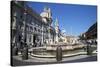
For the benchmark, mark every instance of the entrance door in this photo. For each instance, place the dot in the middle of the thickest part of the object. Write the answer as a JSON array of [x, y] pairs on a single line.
[[34, 40]]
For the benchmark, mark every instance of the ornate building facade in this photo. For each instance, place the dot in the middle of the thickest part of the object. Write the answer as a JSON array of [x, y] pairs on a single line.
[[91, 33], [30, 27]]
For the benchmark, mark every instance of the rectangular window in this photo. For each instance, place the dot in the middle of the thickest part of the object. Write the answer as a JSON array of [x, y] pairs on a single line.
[[30, 38]]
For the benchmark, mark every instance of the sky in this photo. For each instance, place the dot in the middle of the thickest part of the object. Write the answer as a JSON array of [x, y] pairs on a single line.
[[74, 19]]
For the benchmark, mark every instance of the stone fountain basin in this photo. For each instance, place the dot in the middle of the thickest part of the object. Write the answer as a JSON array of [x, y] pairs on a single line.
[[64, 47], [50, 51]]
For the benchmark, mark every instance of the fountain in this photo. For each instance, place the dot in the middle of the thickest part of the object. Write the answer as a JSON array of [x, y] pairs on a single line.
[[49, 51]]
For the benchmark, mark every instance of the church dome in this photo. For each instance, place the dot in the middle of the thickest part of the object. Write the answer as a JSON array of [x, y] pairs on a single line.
[[44, 14]]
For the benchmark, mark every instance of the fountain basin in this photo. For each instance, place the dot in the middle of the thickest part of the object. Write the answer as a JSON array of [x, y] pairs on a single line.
[[51, 53]]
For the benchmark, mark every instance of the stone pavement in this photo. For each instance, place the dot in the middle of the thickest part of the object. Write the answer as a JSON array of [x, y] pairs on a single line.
[[17, 61], [39, 59]]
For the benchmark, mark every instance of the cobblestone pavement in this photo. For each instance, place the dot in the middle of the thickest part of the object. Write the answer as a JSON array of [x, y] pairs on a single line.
[[37, 61]]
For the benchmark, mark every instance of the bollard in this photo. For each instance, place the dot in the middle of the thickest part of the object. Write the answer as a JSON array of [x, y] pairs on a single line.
[[89, 50], [59, 53], [15, 51], [25, 53]]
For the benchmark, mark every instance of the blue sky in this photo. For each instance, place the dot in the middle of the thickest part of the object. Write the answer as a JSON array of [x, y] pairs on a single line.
[[74, 19]]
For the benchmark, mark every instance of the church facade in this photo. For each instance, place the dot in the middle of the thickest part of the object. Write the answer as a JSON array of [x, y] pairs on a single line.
[[32, 28]]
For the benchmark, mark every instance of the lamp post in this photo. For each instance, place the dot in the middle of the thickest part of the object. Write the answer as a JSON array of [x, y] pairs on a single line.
[[58, 53], [25, 46]]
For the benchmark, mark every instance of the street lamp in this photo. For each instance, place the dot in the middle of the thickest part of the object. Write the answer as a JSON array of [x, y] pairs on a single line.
[[25, 46]]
